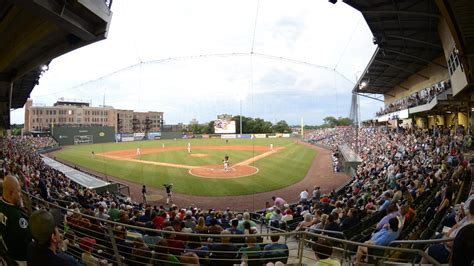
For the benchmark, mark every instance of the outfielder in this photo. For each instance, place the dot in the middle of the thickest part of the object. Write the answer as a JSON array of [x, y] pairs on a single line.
[[271, 147]]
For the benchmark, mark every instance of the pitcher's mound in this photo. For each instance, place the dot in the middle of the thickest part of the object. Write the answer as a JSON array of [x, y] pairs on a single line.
[[199, 155], [217, 171]]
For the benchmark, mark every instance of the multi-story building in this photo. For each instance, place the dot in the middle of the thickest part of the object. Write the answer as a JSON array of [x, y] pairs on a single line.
[[147, 121], [81, 113]]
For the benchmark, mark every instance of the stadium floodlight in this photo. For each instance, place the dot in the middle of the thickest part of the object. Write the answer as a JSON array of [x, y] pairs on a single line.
[[44, 67], [363, 84]]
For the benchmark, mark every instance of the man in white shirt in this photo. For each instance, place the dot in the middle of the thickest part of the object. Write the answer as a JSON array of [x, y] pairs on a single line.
[[304, 196]]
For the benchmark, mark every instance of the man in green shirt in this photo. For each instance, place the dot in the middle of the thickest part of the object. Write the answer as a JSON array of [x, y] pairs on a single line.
[[14, 228], [114, 213]]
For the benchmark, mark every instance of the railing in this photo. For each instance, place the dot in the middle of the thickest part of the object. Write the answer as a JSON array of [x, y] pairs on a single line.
[[121, 244]]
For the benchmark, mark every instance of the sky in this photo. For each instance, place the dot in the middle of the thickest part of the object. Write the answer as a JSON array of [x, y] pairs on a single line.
[[277, 60]]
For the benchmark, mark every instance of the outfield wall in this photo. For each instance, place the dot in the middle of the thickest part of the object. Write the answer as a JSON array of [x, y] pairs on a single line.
[[179, 135], [65, 135]]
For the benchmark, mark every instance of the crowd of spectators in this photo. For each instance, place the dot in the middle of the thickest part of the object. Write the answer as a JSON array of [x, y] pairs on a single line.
[[331, 138], [398, 166], [421, 97], [89, 240]]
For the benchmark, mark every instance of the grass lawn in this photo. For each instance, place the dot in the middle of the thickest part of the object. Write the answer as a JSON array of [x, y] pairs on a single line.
[[279, 170]]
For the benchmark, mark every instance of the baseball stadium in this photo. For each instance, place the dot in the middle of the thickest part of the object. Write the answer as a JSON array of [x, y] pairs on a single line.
[[238, 133]]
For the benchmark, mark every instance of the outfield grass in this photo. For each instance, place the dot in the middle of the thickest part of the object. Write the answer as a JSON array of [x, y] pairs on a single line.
[[279, 170]]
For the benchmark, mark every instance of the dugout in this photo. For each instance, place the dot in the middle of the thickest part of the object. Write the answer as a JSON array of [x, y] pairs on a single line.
[[350, 159], [70, 135]]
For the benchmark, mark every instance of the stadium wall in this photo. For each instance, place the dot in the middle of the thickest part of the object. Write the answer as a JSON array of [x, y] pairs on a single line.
[[171, 135], [65, 135]]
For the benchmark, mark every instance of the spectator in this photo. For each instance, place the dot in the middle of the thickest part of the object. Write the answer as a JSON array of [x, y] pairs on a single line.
[[224, 251], [141, 255], [442, 251], [306, 223], [201, 226], [463, 246], [215, 228], [87, 244], [316, 194], [275, 249], [278, 202], [304, 195], [162, 255], [101, 213], [323, 251], [384, 237], [47, 239], [14, 226], [246, 218], [251, 250], [233, 229], [351, 220], [113, 212], [189, 258]]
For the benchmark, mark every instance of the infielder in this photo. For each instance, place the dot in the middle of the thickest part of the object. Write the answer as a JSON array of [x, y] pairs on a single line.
[[271, 147], [189, 147], [138, 151]]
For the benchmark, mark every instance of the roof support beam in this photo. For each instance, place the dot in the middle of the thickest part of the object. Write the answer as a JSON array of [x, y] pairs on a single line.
[[414, 40], [414, 57], [370, 97], [63, 18], [401, 68], [399, 12], [403, 87]]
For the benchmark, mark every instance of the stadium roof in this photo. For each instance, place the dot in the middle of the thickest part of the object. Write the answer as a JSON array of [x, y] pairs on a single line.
[[32, 33], [406, 33]]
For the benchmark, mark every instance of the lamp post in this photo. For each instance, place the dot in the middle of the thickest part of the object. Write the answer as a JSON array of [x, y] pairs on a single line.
[[240, 101]]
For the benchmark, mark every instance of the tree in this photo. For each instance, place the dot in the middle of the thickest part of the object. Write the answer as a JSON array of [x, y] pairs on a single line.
[[345, 121], [210, 128], [330, 121], [281, 127]]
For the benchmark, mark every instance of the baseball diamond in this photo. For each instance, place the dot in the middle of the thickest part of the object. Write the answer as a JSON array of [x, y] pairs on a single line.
[[254, 168]]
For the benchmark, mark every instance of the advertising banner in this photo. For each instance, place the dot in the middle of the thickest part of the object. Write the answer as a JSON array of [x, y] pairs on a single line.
[[244, 136], [138, 136], [228, 136], [124, 139], [286, 135], [259, 136], [154, 135]]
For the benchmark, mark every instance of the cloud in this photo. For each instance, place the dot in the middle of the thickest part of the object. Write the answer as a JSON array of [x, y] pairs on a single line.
[[193, 85]]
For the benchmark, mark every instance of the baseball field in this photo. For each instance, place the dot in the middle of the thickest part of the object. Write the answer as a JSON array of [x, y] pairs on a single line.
[[255, 165]]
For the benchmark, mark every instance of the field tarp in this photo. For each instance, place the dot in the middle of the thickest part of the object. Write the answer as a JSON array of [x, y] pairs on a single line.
[[78, 177]]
